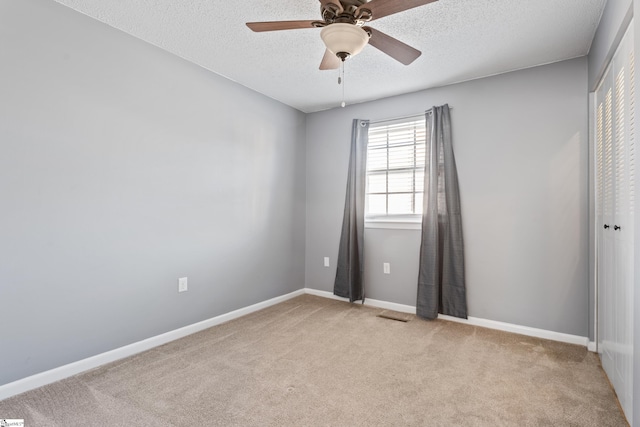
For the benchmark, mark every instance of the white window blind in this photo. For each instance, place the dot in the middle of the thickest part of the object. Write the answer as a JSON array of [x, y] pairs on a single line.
[[395, 169]]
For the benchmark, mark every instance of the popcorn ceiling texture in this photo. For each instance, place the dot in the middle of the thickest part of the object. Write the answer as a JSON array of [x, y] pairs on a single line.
[[459, 39]]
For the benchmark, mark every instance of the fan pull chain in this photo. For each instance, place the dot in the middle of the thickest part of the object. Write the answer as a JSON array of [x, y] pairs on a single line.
[[341, 81]]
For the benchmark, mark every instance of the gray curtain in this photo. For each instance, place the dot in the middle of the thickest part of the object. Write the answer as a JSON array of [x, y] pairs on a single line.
[[441, 281], [349, 281]]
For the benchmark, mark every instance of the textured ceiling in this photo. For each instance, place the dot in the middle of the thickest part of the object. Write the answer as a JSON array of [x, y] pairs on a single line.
[[460, 40]]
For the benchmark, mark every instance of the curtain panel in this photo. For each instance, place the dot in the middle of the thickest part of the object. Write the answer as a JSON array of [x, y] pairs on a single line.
[[349, 282], [441, 277]]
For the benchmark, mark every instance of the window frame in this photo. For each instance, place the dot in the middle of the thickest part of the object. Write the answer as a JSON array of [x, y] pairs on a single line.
[[395, 221]]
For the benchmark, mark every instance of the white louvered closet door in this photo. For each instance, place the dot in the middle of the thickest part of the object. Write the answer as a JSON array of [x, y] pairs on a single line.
[[615, 193], [604, 214]]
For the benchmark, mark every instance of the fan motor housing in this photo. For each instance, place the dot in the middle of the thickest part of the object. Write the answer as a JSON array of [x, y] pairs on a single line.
[[343, 11]]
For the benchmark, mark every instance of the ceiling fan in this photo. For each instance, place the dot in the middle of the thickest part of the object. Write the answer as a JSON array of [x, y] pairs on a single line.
[[344, 32]]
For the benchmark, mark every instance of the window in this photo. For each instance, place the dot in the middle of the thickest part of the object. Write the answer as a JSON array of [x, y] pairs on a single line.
[[395, 170]]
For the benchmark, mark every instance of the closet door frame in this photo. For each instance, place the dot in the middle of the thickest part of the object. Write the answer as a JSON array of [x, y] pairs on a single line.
[[612, 181]]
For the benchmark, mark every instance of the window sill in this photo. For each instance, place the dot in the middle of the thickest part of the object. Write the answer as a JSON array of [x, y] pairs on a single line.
[[393, 224]]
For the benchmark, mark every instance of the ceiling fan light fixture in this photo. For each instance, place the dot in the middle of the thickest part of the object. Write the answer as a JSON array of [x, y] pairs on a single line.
[[344, 40]]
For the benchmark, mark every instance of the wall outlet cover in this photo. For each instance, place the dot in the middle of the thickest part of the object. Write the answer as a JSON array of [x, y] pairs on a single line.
[[182, 284]]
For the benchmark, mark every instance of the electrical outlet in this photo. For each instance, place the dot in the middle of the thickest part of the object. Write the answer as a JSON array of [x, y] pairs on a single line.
[[182, 284], [326, 261], [386, 267]]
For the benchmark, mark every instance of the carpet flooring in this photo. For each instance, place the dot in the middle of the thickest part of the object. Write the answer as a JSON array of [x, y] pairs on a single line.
[[313, 361]]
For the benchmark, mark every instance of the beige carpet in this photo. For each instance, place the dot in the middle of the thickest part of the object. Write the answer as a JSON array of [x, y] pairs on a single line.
[[312, 361]]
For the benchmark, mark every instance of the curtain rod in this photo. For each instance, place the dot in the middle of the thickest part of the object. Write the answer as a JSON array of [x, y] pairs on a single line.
[[403, 117]]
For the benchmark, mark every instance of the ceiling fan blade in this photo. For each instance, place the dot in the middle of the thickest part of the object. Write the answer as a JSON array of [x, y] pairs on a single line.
[[329, 61], [393, 47], [381, 8], [280, 25]]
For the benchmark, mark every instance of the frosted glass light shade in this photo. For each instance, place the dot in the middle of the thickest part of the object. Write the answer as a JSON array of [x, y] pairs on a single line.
[[344, 38]]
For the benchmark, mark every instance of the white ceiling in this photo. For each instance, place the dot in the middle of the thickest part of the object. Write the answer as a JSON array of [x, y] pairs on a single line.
[[459, 39]]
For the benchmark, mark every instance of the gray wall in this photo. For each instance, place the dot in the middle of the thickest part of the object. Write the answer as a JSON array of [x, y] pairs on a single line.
[[123, 168], [521, 147]]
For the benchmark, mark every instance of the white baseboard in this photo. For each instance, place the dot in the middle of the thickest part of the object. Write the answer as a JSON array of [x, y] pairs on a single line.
[[323, 294], [370, 302], [74, 368], [522, 330], [475, 321], [592, 347]]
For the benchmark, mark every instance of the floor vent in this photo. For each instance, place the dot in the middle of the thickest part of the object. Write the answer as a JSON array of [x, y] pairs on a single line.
[[400, 317]]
